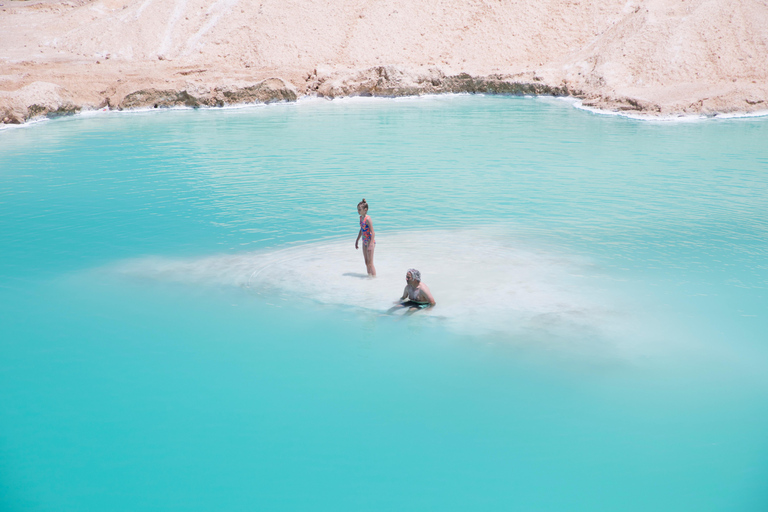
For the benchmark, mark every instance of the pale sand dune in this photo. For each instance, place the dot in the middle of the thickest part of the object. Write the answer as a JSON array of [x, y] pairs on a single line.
[[649, 56]]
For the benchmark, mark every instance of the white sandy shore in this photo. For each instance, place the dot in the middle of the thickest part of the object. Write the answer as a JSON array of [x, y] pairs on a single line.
[[652, 57]]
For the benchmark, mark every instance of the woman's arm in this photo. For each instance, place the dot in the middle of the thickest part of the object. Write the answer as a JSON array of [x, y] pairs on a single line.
[[370, 226], [359, 234]]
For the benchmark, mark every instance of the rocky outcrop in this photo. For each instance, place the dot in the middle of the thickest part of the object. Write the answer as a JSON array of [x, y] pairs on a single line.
[[41, 99], [709, 106], [35, 100], [265, 91], [155, 98], [391, 81]]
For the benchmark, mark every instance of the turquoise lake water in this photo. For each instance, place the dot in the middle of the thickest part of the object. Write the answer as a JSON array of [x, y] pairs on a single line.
[[185, 325]]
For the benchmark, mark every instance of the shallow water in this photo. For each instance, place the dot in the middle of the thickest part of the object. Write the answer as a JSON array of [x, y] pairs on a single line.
[[185, 323]]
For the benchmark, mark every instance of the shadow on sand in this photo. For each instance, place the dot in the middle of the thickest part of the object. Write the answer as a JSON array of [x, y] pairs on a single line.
[[355, 274]]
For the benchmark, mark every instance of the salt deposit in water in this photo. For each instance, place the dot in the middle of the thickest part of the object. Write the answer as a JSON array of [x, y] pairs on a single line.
[[482, 284]]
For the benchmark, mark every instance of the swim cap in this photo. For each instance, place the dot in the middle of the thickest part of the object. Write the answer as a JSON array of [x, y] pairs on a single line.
[[415, 274]]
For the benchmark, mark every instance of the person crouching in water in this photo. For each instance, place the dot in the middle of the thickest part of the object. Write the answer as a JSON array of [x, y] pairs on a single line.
[[369, 237], [416, 294]]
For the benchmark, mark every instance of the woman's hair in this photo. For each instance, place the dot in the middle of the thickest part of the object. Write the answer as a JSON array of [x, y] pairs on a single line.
[[363, 204]]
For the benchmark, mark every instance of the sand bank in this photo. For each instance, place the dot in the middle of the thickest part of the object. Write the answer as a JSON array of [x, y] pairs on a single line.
[[654, 57]]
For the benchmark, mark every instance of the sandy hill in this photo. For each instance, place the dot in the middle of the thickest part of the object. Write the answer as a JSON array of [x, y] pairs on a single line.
[[651, 56]]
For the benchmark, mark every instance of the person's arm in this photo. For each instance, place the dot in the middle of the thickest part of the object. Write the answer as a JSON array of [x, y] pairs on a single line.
[[370, 226], [359, 234], [405, 294]]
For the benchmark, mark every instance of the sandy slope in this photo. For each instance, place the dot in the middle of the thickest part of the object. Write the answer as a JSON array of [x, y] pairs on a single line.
[[653, 56]]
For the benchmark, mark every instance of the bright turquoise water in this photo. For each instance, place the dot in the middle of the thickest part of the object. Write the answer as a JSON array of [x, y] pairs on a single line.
[[183, 325]]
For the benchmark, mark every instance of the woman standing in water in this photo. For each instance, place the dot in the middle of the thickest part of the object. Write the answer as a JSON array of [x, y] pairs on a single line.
[[369, 237]]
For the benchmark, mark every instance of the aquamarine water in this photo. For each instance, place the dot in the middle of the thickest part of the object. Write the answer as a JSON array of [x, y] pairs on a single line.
[[184, 324]]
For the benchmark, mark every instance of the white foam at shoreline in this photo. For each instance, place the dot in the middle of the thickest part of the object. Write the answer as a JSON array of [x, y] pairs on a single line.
[[26, 124], [482, 285], [672, 118]]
